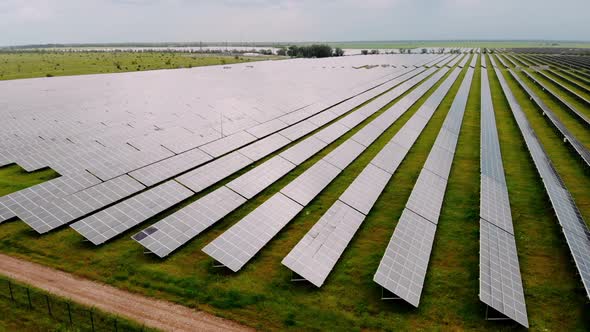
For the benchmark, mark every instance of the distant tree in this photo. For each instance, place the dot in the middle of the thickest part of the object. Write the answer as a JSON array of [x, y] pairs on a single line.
[[282, 51], [338, 52], [364, 52], [293, 51], [312, 51]]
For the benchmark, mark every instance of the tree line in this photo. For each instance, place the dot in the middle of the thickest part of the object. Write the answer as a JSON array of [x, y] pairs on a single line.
[[311, 51]]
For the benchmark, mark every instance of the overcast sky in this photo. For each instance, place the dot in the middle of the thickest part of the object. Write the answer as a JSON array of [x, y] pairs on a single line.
[[99, 21]]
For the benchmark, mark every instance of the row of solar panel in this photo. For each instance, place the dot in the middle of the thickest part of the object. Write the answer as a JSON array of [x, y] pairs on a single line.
[[565, 88], [573, 225], [567, 134], [500, 283], [163, 237], [580, 115], [112, 159], [315, 255], [163, 170], [240, 243], [564, 78], [402, 269]]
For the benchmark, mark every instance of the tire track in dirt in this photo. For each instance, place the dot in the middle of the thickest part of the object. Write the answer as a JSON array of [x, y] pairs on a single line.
[[150, 312]]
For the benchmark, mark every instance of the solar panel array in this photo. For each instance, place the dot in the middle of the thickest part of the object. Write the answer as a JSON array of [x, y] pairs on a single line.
[[403, 267], [21, 201], [130, 147], [161, 238], [581, 116], [500, 284], [568, 136], [316, 254], [301, 190], [109, 126], [108, 223], [573, 225], [45, 217], [567, 89]]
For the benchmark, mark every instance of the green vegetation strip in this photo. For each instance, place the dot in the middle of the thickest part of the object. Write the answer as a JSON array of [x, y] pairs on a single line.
[[26, 308], [48, 64]]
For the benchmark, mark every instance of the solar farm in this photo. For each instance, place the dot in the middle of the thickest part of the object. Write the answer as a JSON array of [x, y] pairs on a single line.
[[363, 192]]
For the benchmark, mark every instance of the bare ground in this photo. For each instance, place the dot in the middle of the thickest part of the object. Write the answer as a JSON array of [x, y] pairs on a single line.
[[150, 312]]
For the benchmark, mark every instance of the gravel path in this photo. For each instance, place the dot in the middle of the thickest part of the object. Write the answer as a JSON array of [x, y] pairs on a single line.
[[150, 312]]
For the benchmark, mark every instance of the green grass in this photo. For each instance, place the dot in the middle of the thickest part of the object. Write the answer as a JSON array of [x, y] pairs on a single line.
[[26, 308], [44, 64], [14, 178], [262, 296]]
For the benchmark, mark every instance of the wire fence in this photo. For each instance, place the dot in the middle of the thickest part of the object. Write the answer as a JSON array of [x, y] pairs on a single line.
[[63, 311]]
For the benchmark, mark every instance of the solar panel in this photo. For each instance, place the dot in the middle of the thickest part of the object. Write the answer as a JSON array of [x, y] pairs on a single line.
[[228, 143], [473, 61], [331, 133], [439, 162], [390, 157], [500, 283], [110, 222], [264, 147], [172, 232], [366, 189], [19, 202], [302, 151], [298, 130], [267, 128], [323, 118], [359, 197], [495, 204], [309, 184], [562, 100], [236, 246], [294, 154], [318, 251], [427, 196], [217, 170], [257, 179], [403, 267], [368, 134], [447, 140], [344, 154], [49, 216], [168, 168], [582, 151]]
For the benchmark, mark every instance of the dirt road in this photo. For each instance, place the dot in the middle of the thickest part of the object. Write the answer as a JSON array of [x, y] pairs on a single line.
[[150, 312]]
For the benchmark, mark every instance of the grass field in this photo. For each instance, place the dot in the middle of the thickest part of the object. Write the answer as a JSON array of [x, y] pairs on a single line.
[[262, 296], [43, 64]]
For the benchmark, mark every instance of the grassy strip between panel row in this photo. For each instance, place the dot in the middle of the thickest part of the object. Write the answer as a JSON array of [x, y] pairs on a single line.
[[25, 308]]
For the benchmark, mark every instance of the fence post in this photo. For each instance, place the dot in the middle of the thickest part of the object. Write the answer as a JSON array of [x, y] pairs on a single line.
[[69, 313], [29, 298], [91, 320], [48, 305], [10, 289]]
